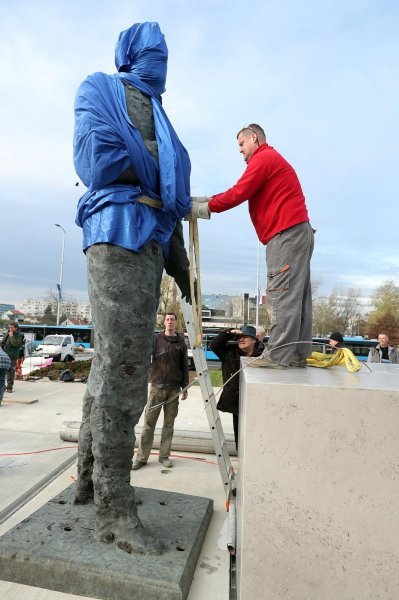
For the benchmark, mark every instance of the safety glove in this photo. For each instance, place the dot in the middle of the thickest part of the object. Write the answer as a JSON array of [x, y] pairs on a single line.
[[199, 209]]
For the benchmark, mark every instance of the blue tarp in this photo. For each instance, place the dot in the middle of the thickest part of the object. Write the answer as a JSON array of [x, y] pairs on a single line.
[[106, 142]]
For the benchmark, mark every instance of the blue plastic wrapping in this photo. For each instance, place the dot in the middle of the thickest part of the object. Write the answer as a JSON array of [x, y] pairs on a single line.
[[106, 142]]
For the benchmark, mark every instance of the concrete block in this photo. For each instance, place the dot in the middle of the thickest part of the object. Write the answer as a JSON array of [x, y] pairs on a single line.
[[54, 549], [318, 485]]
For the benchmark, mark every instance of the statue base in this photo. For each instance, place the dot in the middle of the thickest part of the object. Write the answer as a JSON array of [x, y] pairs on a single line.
[[55, 549]]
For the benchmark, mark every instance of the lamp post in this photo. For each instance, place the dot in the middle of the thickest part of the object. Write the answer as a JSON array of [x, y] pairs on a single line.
[[59, 285]]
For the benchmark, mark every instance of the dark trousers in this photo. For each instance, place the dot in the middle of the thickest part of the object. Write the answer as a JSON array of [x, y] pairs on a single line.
[[235, 427], [3, 373], [11, 374]]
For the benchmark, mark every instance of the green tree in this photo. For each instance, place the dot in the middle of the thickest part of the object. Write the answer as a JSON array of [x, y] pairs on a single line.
[[48, 318], [385, 316]]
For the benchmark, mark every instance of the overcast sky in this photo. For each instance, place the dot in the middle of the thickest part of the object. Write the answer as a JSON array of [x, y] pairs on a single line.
[[320, 76]]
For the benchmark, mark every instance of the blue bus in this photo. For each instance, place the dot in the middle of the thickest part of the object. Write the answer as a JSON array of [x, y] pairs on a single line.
[[82, 334], [357, 344]]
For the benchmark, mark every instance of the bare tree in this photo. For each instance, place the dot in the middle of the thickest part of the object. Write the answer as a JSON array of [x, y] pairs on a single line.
[[339, 311], [169, 301]]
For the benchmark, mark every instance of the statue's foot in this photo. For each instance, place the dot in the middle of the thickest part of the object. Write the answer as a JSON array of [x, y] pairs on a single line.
[[84, 493], [134, 540]]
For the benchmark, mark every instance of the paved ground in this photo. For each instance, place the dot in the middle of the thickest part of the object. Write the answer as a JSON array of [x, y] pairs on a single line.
[[31, 428]]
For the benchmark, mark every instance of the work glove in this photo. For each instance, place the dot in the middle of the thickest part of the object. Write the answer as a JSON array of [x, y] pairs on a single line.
[[199, 209]]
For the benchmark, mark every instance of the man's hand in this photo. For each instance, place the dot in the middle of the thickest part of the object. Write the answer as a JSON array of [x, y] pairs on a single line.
[[10, 332], [199, 209], [200, 199], [184, 395]]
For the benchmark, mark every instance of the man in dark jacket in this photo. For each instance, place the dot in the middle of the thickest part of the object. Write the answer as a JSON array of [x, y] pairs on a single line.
[[230, 346], [12, 344], [168, 375]]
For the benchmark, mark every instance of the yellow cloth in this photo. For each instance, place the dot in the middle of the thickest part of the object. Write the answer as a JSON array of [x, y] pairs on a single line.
[[342, 357]]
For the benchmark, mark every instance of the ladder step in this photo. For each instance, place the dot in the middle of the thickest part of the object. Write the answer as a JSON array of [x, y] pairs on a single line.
[[208, 395]]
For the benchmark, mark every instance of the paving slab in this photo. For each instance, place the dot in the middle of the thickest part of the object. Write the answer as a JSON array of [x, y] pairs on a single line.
[[54, 548], [28, 462]]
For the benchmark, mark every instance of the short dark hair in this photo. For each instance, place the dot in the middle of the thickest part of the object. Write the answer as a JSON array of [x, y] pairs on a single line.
[[254, 128], [15, 324], [171, 313]]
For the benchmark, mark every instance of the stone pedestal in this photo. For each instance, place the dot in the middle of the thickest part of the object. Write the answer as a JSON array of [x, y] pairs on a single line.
[[318, 486], [54, 548]]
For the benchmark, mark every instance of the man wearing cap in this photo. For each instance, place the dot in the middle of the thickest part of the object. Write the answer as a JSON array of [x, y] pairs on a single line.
[[278, 212], [335, 340], [230, 346], [383, 352]]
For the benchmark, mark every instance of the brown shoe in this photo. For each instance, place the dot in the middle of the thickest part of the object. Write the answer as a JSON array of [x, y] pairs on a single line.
[[263, 361], [299, 364], [138, 464]]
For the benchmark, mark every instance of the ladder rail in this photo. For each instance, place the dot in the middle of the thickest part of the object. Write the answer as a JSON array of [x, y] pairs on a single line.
[[208, 396]]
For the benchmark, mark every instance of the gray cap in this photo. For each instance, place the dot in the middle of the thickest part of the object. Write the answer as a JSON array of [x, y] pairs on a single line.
[[248, 330]]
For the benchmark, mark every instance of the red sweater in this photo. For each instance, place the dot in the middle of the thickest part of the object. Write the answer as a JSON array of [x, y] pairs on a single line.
[[273, 191]]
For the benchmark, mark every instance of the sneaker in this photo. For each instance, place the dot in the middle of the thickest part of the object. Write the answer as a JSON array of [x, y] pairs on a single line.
[[138, 464], [263, 361], [166, 462]]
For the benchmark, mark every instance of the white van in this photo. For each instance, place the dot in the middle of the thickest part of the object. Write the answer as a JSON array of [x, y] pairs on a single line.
[[59, 347]]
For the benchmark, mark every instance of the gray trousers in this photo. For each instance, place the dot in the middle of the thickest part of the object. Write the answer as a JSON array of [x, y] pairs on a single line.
[[156, 400], [288, 295], [124, 293]]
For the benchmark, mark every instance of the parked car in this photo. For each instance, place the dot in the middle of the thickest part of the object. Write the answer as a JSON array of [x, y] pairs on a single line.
[[58, 347]]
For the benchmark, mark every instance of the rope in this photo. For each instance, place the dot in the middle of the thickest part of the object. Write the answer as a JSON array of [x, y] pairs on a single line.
[[195, 274], [38, 451], [342, 357], [150, 202]]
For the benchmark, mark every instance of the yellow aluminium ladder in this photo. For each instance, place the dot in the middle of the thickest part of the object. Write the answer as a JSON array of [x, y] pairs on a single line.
[[193, 317], [208, 396]]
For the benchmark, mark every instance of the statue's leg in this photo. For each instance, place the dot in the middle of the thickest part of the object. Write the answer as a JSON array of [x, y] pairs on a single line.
[[84, 486], [124, 293]]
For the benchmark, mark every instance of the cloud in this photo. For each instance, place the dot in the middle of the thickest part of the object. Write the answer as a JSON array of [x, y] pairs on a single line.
[[318, 76]]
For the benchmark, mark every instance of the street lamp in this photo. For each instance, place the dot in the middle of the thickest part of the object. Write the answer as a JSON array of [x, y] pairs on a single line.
[[59, 285]]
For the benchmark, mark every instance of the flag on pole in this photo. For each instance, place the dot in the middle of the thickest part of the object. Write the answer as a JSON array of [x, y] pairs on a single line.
[[260, 297], [59, 292]]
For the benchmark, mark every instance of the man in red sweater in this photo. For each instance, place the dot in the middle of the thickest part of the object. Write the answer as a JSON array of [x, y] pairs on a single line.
[[278, 211]]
